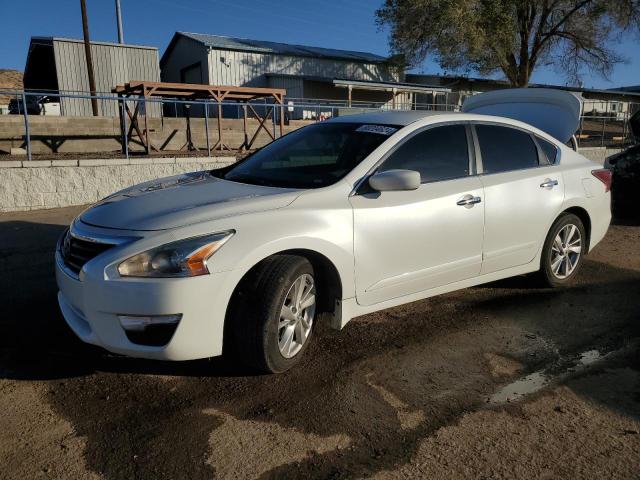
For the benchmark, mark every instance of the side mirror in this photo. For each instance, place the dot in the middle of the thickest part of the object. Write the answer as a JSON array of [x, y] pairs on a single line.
[[395, 180]]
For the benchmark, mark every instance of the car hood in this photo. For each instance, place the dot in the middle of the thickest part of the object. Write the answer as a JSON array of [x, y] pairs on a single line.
[[183, 200]]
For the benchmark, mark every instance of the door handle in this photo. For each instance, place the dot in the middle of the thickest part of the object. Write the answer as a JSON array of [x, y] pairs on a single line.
[[548, 183], [468, 201]]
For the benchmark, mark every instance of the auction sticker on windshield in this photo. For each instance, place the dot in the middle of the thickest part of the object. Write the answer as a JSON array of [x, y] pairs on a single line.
[[379, 129]]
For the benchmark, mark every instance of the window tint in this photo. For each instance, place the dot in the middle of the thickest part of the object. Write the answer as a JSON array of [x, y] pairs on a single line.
[[311, 157], [438, 153], [505, 149], [549, 149]]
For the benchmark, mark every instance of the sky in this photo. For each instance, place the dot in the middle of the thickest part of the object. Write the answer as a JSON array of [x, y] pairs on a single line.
[[342, 24]]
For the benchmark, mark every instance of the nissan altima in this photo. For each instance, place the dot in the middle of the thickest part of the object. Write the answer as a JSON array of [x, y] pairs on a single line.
[[334, 220]]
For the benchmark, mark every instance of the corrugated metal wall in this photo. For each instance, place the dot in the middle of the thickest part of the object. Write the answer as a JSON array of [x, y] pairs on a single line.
[[186, 52], [245, 68], [293, 86], [113, 65]]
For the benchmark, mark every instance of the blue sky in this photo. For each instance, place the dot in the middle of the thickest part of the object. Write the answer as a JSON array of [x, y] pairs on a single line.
[[347, 24]]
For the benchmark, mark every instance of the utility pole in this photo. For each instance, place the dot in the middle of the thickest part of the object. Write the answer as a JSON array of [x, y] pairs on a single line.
[[87, 53], [119, 18]]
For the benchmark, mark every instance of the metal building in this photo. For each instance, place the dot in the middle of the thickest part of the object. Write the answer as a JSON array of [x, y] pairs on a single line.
[[309, 73], [59, 65]]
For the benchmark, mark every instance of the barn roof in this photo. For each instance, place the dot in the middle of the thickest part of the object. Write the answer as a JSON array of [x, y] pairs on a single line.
[[263, 46], [45, 40]]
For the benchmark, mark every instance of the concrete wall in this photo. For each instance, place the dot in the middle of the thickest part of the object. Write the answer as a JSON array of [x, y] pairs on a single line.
[[598, 154], [41, 184], [61, 183]]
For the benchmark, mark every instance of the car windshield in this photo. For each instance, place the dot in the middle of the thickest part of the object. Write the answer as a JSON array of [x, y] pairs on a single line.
[[311, 157]]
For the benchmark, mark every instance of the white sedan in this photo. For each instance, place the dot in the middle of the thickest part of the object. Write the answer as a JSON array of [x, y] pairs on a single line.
[[335, 220]]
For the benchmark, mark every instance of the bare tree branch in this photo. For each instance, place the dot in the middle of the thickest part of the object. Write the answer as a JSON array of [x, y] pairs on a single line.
[[510, 36]]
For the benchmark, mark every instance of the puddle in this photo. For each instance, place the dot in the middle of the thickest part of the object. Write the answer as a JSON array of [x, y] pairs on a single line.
[[536, 381], [525, 386], [589, 357]]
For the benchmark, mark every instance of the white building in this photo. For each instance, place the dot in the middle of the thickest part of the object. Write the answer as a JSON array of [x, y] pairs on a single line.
[[311, 74]]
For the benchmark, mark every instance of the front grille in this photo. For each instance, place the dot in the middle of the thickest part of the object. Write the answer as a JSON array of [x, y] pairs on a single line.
[[76, 252]]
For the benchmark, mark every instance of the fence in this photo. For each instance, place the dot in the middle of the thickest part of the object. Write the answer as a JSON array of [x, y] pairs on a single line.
[[606, 124], [177, 127]]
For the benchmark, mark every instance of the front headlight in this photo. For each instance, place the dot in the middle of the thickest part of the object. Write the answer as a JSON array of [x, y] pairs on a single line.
[[185, 258]]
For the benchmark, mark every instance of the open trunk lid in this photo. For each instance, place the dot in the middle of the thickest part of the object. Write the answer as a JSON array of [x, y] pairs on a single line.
[[556, 112]]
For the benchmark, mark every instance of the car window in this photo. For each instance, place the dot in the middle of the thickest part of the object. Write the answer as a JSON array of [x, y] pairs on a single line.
[[438, 153], [311, 157], [504, 149], [549, 149]]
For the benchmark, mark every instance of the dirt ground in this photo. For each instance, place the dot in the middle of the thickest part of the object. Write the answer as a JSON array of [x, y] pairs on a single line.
[[506, 380]]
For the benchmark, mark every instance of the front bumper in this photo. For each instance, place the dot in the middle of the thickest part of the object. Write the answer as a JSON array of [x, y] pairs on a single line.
[[91, 307]]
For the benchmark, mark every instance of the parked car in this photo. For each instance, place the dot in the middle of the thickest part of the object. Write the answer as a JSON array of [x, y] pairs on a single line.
[[625, 168], [36, 105], [338, 219]]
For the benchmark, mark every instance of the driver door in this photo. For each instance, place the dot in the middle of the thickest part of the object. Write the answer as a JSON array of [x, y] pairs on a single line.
[[410, 241]]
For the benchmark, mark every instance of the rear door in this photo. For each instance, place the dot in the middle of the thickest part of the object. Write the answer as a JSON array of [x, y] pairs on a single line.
[[523, 191]]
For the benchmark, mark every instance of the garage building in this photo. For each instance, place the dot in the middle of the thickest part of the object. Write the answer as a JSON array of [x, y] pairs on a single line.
[[310, 74], [58, 65]]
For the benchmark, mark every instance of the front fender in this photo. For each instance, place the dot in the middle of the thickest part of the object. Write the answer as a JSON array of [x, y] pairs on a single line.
[[326, 231]]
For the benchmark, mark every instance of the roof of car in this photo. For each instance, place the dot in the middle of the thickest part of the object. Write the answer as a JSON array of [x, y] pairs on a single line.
[[387, 118]]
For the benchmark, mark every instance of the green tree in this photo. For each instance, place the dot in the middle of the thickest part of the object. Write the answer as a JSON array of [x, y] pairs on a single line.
[[511, 36]]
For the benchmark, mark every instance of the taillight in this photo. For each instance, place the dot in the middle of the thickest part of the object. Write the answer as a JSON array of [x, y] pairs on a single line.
[[604, 175]]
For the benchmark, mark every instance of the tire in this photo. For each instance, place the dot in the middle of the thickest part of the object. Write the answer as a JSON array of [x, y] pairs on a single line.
[[560, 262], [258, 328]]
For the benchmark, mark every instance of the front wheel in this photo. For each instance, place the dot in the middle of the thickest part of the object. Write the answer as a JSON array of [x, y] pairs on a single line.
[[563, 251], [273, 313]]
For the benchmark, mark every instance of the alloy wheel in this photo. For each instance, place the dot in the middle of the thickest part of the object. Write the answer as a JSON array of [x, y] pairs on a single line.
[[566, 251], [296, 316]]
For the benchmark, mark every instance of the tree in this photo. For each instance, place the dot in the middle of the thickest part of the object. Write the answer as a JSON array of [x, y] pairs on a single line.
[[510, 36]]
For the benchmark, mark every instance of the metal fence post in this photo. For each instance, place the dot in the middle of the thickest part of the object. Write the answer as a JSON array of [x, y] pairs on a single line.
[[27, 131], [604, 124], [125, 133], [581, 125], [146, 126], [273, 120], [206, 126]]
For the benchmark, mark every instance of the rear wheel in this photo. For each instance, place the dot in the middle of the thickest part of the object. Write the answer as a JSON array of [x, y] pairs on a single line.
[[563, 251], [273, 312]]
